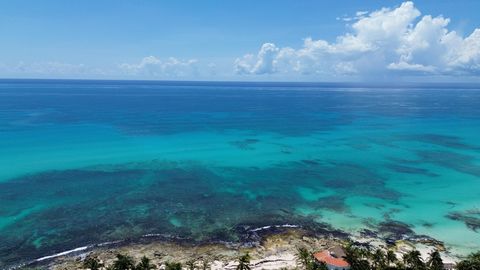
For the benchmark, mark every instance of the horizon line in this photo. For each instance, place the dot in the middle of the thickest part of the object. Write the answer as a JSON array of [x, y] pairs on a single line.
[[349, 84]]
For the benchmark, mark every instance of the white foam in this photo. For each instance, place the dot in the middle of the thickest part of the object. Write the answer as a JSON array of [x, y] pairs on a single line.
[[275, 226], [108, 243], [63, 253]]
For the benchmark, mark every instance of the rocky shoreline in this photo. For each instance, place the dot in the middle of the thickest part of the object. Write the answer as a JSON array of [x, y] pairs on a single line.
[[270, 247], [275, 250]]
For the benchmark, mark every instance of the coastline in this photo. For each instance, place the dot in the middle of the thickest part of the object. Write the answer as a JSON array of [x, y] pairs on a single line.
[[274, 248]]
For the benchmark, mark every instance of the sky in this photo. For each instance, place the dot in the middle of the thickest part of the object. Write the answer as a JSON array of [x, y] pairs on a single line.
[[248, 40]]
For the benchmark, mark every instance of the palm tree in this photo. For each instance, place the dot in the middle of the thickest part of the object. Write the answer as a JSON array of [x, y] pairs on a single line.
[[190, 264], [173, 266], [390, 257], [472, 262], [205, 265], [351, 254], [378, 258], [244, 262], [144, 264], [362, 265], [355, 257], [413, 260], [92, 263], [435, 261], [303, 257], [123, 262]]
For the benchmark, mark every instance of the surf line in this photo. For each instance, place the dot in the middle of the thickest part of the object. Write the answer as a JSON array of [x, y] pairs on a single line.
[[78, 249]]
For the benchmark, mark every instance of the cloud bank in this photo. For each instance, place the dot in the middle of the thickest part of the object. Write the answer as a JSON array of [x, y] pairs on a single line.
[[152, 66], [39, 69], [387, 41], [148, 67]]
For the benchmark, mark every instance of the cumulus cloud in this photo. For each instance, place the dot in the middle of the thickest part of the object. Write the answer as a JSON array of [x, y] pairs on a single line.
[[152, 66], [264, 61], [389, 40]]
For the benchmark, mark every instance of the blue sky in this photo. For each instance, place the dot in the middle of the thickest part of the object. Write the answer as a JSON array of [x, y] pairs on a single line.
[[240, 40]]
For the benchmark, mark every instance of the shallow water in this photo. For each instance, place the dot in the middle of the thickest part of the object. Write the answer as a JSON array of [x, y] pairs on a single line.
[[89, 162]]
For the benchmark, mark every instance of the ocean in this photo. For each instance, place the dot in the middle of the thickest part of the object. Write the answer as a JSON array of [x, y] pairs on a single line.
[[86, 162]]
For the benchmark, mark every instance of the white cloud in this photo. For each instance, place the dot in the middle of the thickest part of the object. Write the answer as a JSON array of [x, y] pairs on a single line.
[[148, 67], [152, 66], [52, 69], [264, 62], [386, 41], [48, 68]]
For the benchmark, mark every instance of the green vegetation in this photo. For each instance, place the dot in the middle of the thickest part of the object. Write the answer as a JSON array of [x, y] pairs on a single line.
[[319, 266], [145, 264], [472, 262], [205, 265], [173, 266], [123, 262], [413, 261], [190, 264], [244, 262], [92, 263], [307, 262], [435, 261], [358, 258], [304, 258], [378, 259], [390, 258]]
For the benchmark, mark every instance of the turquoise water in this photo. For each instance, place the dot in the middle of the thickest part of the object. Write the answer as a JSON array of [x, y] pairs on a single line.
[[85, 162]]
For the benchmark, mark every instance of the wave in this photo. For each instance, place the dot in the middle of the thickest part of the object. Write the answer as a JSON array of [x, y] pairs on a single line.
[[274, 226], [63, 253], [84, 249]]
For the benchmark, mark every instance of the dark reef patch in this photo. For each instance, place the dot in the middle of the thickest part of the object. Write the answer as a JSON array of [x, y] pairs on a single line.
[[441, 140], [403, 161], [410, 170], [72, 208], [377, 206], [367, 233], [391, 231], [395, 229], [310, 162], [455, 161], [427, 224], [246, 144], [451, 204], [349, 177], [471, 218], [387, 215], [334, 202], [362, 146]]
